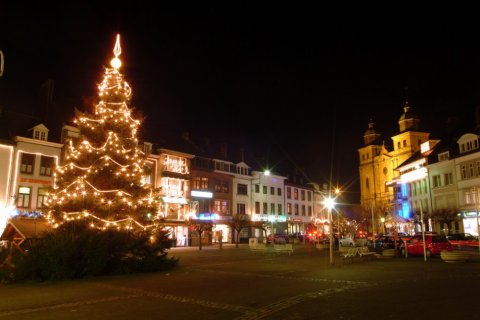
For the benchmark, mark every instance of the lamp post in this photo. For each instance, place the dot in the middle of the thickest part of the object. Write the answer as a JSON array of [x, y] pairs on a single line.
[[257, 177], [330, 204], [423, 233], [476, 215], [373, 228]]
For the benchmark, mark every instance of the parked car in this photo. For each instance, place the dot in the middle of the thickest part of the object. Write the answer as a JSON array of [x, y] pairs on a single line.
[[278, 238], [434, 244], [347, 242], [352, 242], [387, 242], [463, 240]]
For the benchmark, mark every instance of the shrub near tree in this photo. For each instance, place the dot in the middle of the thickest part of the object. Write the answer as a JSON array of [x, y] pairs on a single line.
[[75, 250]]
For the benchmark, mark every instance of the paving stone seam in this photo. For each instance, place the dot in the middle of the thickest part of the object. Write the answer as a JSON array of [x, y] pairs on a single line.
[[281, 277], [277, 306], [170, 297], [67, 305]]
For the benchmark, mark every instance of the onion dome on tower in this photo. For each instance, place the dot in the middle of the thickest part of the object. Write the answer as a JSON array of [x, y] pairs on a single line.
[[408, 121], [371, 136]]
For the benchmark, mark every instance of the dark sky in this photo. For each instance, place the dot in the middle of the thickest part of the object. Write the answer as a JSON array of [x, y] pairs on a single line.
[[290, 81]]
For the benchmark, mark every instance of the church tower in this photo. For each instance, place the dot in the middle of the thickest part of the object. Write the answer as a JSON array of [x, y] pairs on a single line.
[[378, 164], [408, 141], [370, 182]]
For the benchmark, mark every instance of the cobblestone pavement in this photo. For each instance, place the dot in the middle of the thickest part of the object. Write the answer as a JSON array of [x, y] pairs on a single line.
[[234, 283]]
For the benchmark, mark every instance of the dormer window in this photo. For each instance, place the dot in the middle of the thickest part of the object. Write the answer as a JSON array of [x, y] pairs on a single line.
[[147, 147], [444, 156], [39, 135], [40, 132], [468, 142]]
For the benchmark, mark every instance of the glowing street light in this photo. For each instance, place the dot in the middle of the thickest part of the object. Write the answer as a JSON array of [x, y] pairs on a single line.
[[382, 220], [330, 204]]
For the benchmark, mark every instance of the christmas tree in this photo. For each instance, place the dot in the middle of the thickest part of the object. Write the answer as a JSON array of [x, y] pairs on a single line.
[[101, 177]]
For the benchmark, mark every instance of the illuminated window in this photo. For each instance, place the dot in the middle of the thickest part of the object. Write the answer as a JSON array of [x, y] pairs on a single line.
[[172, 187], [40, 135], [448, 178], [175, 164], [242, 189], [302, 195], [200, 183], [147, 147], [204, 183], [27, 163], [196, 183], [436, 181], [148, 173], [217, 185], [225, 186], [23, 197], [241, 208], [221, 206], [289, 208], [295, 193], [296, 209], [443, 156], [46, 166], [289, 193], [41, 198]]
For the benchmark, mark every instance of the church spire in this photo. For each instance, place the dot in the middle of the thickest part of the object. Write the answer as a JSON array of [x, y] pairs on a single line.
[[408, 120], [370, 136]]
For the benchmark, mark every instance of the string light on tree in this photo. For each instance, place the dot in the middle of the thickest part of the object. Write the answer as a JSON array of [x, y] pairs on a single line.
[[103, 171]]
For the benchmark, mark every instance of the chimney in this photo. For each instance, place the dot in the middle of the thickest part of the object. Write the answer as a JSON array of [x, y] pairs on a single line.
[[223, 150], [477, 116]]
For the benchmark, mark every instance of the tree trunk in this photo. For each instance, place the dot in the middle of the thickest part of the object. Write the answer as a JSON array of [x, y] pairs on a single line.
[[200, 239]]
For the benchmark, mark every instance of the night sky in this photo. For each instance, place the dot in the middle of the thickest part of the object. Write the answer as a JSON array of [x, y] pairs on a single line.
[[289, 82]]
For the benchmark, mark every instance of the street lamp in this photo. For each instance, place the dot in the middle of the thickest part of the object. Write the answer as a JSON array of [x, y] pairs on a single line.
[[475, 197], [330, 204]]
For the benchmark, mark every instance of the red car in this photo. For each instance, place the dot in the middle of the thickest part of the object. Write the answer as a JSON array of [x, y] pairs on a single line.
[[463, 240], [434, 244]]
